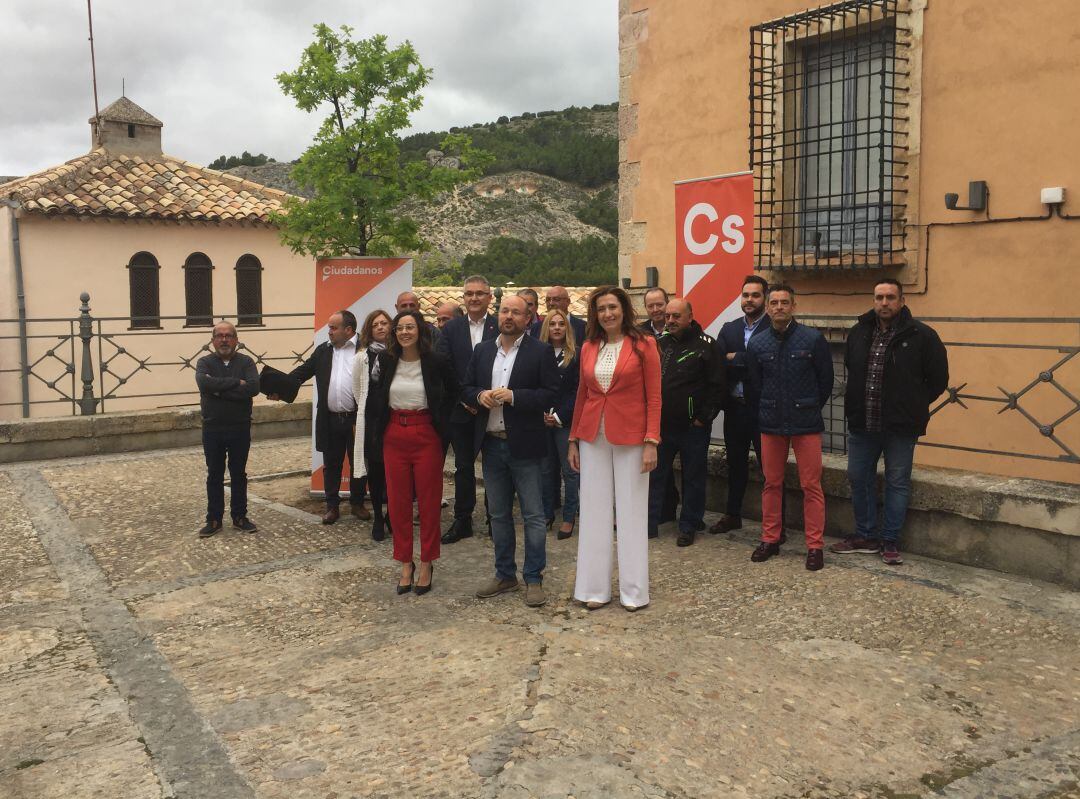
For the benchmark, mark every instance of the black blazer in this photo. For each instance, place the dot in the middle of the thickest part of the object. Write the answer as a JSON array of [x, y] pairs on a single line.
[[730, 339], [535, 383], [456, 344], [318, 365], [569, 374], [440, 385]]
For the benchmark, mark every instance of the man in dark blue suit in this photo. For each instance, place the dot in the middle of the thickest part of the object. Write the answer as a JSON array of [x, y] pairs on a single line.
[[513, 380], [459, 337], [558, 298], [740, 422]]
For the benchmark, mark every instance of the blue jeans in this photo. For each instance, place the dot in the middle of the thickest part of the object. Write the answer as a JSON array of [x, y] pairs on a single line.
[[559, 439], [503, 477], [692, 447], [864, 452], [219, 447]]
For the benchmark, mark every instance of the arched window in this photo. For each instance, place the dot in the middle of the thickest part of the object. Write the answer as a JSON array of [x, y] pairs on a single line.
[[198, 290], [248, 291], [143, 271]]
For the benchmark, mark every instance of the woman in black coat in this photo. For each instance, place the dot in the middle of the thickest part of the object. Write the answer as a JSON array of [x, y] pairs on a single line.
[[413, 390]]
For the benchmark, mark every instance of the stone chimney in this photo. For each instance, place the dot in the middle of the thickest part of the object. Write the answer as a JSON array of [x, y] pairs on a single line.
[[126, 129]]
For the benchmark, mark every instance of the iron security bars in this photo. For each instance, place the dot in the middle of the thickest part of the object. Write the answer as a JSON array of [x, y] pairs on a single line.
[[828, 137]]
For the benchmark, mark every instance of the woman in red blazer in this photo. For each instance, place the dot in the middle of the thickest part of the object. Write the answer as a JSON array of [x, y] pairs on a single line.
[[613, 444]]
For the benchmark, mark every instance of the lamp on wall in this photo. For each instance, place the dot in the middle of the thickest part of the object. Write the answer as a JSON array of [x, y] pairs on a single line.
[[652, 277], [978, 194]]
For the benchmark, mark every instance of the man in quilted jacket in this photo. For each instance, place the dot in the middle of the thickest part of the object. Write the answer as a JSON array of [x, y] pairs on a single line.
[[790, 375]]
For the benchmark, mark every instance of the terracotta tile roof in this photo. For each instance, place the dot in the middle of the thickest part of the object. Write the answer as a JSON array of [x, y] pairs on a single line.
[[431, 297], [136, 187]]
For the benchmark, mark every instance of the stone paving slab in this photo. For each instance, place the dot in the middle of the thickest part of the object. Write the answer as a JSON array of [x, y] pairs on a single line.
[[26, 575], [291, 654]]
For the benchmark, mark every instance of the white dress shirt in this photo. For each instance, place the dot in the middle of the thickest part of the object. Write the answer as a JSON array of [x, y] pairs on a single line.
[[476, 331], [500, 377], [339, 397]]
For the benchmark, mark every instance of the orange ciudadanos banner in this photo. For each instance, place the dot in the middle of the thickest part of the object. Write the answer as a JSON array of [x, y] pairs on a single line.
[[360, 285], [714, 245]]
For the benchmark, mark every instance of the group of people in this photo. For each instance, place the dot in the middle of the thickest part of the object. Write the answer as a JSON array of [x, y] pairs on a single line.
[[559, 406]]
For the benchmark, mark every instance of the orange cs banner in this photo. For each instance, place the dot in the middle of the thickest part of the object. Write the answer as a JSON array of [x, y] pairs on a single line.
[[360, 285], [714, 245]]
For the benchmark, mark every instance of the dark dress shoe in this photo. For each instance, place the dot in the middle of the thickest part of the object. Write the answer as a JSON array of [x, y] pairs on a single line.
[[331, 516], [815, 560], [420, 590], [212, 527], [461, 528], [378, 530], [685, 539], [726, 525], [404, 589], [360, 512], [764, 551], [562, 535]]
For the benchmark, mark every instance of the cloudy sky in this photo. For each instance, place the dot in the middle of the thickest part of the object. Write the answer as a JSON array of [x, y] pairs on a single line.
[[206, 67]]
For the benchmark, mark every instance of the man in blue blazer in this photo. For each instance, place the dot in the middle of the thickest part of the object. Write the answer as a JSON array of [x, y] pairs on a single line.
[[740, 422], [513, 380], [459, 338]]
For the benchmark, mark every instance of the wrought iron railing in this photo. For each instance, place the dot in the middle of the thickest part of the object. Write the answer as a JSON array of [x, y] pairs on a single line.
[[1052, 346], [90, 363], [93, 364]]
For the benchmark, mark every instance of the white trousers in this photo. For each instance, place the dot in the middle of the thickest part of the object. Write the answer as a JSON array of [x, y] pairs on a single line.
[[611, 474]]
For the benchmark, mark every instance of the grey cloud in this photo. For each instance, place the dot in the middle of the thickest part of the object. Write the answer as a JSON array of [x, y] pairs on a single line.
[[206, 68]]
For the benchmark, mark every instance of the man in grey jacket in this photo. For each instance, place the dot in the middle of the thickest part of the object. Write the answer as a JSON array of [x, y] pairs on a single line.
[[227, 380]]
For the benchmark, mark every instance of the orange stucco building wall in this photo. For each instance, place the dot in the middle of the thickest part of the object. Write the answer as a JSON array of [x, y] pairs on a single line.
[[992, 98]]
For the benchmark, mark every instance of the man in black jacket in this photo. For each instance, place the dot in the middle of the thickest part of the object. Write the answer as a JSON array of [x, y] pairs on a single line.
[[692, 388], [227, 381], [459, 337], [896, 367], [513, 380], [331, 364], [740, 421]]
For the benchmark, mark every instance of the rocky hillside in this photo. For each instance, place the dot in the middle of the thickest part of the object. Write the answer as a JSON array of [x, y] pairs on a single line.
[[515, 203]]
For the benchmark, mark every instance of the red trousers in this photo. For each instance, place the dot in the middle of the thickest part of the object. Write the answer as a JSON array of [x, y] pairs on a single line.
[[774, 452], [413, 460]]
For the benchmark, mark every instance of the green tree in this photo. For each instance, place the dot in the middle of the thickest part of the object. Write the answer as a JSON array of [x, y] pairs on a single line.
[[354, 167]]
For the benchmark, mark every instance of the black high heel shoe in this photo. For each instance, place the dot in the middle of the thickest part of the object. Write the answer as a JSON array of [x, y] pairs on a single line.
[[550, 523], [562, 535], [420, 590], [404, 589]]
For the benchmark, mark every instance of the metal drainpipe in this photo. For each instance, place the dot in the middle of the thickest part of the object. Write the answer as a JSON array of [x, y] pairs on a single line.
[[20, 297]]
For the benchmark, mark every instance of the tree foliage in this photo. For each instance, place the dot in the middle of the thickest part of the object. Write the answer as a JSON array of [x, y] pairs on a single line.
[[245, 159], [560, 146], [592, 261], [368, 92], [600, 211]]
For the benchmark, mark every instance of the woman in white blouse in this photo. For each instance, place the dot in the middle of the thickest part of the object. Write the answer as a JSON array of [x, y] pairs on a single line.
[[613, 444], [413, 391]]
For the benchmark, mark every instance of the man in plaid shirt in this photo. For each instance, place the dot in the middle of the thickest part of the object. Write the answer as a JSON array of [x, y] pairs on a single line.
[[896, 367]]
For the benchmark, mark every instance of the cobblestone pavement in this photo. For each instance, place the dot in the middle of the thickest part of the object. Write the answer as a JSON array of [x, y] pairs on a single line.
[[139, 661]]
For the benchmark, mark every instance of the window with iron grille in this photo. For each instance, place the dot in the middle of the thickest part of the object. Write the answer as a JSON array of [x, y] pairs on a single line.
[[249, 291], [828, 137], [198, 290], [143, 272]]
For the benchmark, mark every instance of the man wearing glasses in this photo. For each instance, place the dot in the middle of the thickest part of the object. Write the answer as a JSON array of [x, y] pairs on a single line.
[[459, 337], [227, 382]]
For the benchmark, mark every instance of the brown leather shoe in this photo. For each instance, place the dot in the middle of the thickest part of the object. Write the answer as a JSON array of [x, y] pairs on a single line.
[[360, 512], [764, 551], [331, 516], [726, 525], [815, 560]]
